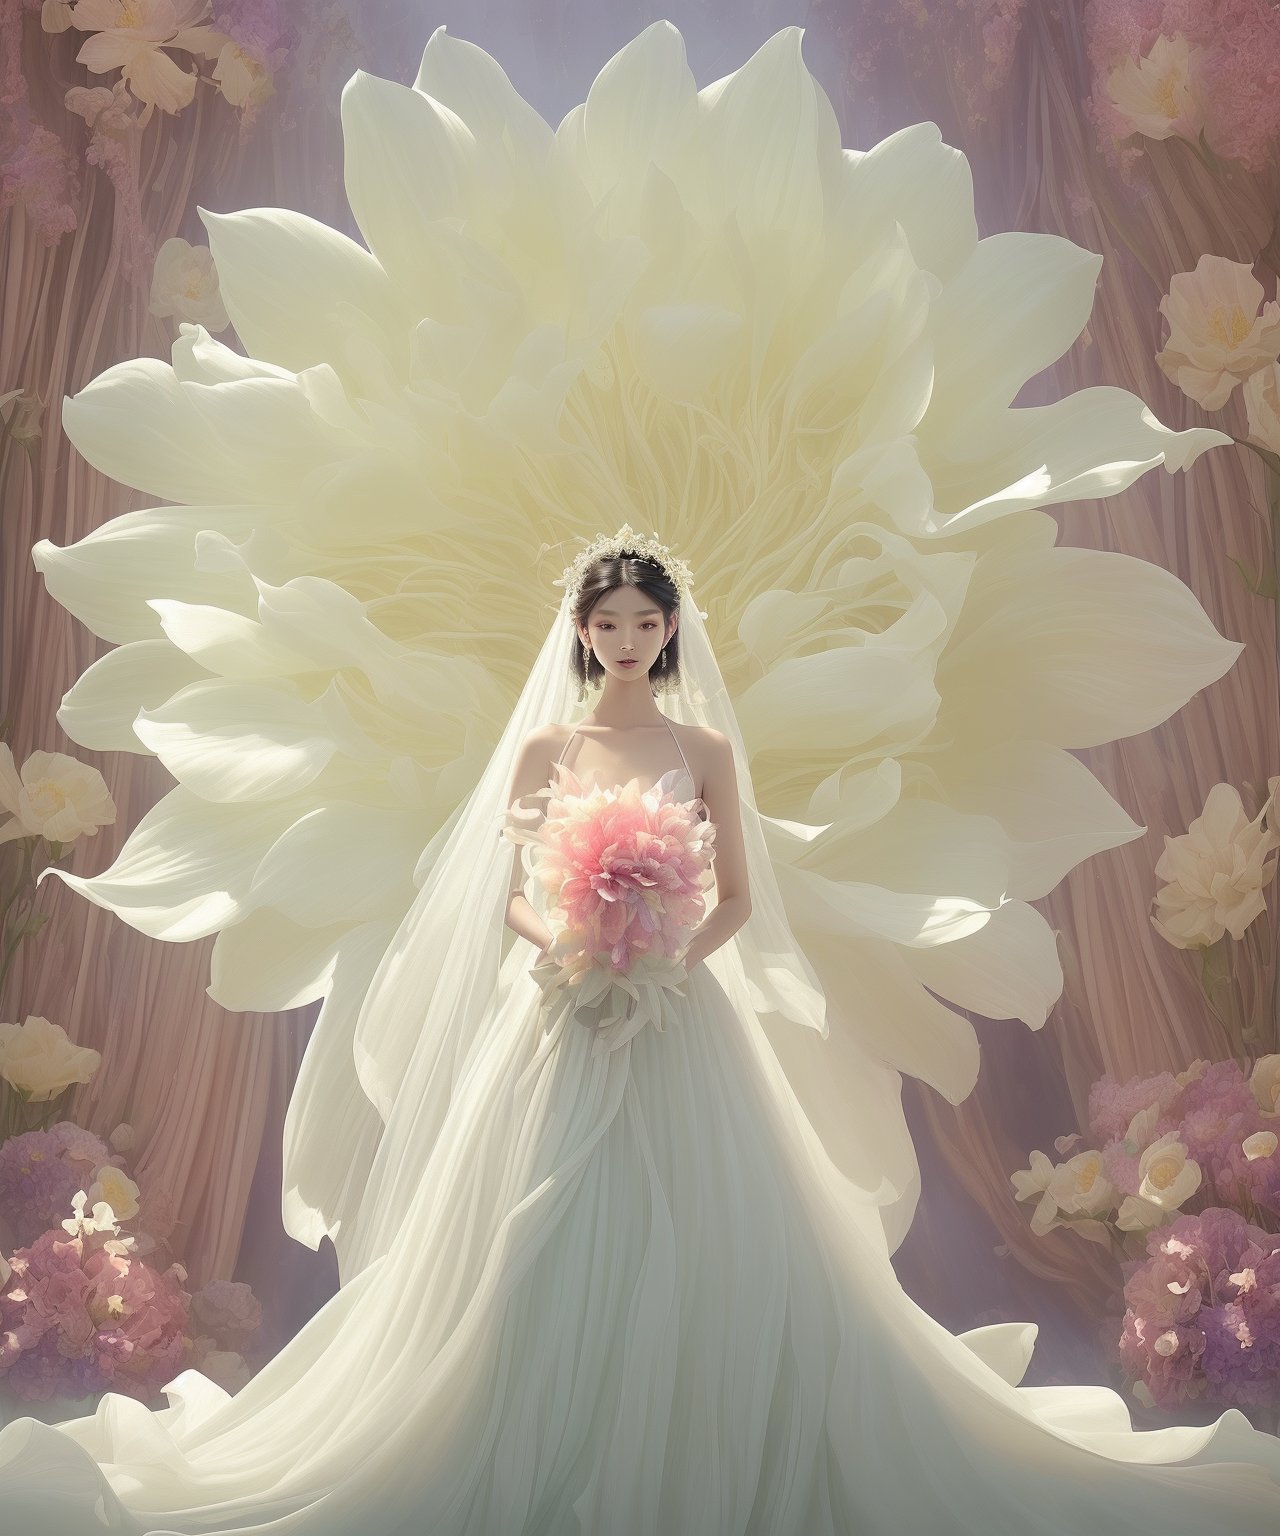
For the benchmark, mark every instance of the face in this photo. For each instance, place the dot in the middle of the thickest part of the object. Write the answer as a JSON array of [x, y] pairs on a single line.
[[627, 624]]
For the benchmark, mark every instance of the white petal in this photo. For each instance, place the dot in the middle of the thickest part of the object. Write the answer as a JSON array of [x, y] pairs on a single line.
[[107, 578], [230, 741], [1094, 442], [299, 293], [1014, 307], [98, 709], [1008, 969], [1052, 810], [772, 143], [265, 963], [1078, 647], [255, 440], [914, 180], [406, 167], [185, 869], [331, 1128], [342, 861], [641, 109]]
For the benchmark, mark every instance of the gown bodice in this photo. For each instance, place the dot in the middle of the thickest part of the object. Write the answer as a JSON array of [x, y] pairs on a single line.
[[665, 784]]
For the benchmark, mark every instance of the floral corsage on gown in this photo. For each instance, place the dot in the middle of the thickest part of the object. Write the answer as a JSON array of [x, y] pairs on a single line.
[[623, 874]]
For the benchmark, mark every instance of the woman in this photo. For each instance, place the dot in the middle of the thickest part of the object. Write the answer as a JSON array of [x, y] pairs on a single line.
[[608, 1280]]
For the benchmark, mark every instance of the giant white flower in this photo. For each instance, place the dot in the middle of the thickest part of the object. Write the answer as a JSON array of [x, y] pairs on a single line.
[[694, 311]]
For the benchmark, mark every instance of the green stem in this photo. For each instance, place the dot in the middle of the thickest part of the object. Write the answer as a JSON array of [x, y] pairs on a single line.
[[24, 872], [1210, 978]]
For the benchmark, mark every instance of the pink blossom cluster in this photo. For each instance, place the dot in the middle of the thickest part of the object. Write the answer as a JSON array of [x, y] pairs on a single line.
[[79, 1317], [1202, 1316], [625, 872], [1237, 47], [1213, 1113], [260, 27], [99, 1310]]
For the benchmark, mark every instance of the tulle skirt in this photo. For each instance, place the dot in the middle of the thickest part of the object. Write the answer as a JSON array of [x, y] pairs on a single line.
[[630, 1296]]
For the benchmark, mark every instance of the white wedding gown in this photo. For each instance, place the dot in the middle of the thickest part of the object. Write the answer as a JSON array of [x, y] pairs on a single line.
[[632, 1295]]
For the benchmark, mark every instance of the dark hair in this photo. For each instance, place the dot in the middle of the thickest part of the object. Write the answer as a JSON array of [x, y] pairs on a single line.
[[607, 574]]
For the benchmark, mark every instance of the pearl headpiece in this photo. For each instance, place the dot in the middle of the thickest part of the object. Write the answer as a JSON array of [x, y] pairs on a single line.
[[628, 542]]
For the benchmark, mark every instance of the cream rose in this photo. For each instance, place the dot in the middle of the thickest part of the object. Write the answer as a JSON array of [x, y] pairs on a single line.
[[117, 1189], [1156, 94], [1217, 336], [184, 283], [1080, 1187], [1168, 1176], [243, 77], [1215, 873], [38, 1059], [1264, 1081], [54, 797]]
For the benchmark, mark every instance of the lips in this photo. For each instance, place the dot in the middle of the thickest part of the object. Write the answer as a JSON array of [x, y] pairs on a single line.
[[628, 663]]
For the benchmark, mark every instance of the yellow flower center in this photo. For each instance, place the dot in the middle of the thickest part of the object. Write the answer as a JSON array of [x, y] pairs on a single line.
[[46, 798], [1230, 327], [1165, 94], [1087, 1176]]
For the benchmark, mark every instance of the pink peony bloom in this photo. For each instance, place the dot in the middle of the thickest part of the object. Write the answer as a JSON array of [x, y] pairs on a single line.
[[624, 870]]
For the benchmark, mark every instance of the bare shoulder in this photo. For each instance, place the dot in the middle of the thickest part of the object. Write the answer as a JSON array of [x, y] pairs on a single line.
[[715, 740], [703, 745], [550, 735]]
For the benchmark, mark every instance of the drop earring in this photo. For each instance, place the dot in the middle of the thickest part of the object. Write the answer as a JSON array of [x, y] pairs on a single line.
[[586, 661]]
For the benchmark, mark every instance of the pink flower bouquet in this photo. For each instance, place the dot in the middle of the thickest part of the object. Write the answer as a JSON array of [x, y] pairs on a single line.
[[625, 873]]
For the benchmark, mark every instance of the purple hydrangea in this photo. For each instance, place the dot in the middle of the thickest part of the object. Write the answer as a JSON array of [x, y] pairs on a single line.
[[40, 1172], [1202, 1312]]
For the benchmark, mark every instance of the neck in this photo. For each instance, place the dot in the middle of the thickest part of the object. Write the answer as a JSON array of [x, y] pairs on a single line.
[[625, 704]]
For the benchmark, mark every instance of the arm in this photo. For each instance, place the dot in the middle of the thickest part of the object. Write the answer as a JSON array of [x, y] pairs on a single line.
[[733, 895], [531, 773]]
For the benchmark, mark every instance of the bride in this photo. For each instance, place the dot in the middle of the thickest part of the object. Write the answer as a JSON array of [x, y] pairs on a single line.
[[604, 1277]]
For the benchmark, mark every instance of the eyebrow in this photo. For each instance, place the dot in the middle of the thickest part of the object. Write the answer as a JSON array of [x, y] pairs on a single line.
[[641, 613]]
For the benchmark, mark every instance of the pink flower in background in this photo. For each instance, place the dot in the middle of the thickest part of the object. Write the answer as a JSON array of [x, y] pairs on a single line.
[[1202, 1313], [36, 171], [83, 1314], [1235, 50], [1112, 1105], [1220, 331]]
